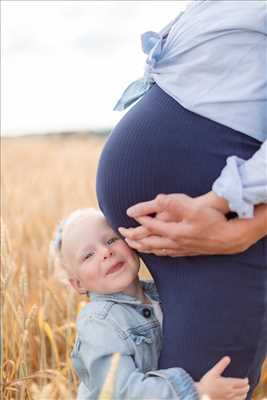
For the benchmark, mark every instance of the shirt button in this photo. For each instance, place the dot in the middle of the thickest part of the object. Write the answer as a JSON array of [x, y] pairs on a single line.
[[146, 312]]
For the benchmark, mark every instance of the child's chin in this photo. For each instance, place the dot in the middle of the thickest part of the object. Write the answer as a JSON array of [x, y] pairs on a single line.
[[120, 287]]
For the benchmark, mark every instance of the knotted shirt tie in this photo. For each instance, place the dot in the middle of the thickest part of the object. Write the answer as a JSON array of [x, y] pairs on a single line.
[[152, 45]]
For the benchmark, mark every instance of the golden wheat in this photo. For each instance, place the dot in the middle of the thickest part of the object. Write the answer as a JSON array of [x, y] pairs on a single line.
[[42, 180]]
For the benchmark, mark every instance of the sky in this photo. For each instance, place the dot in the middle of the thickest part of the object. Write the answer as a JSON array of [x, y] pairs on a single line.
[[64, 64]]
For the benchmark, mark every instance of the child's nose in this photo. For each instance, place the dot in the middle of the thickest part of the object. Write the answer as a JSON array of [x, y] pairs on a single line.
[[106, 252]]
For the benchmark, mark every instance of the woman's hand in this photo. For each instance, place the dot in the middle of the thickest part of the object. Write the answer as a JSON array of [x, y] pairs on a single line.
[[216, 387], [185, 226]]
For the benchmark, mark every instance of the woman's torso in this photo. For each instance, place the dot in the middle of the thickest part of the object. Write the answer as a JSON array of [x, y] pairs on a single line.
[[212, 306]]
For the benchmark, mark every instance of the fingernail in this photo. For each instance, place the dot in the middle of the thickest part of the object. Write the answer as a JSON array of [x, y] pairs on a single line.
[[130, 212], [122, 232], [132, 243]]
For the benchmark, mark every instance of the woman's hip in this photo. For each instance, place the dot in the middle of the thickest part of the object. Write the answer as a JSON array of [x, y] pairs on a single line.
[[213, 306]]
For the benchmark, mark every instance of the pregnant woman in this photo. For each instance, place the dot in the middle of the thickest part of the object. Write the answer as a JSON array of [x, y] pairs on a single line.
[[204, 100]]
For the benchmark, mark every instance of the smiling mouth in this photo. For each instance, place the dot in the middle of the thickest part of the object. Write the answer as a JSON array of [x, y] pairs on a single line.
[[115, 268]]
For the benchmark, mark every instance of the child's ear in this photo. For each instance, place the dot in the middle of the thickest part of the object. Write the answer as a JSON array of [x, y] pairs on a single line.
[[76, 284]]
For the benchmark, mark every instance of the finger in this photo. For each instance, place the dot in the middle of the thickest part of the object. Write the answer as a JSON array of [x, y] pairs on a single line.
[[136, 245], [234, 397], [180, 206], [239, 396], [133, 244], [237, 383], [165, 229], [147, 207], [158, 243], [159, 228], [241, 392], [164, 216], [221, 365], [148, 250], [243, 397], [185, 254], [170, 253], [139, 232], [178, 203], [153, 243], [159, 253]]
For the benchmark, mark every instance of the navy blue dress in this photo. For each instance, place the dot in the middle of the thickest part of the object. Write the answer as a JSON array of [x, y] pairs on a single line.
[[212, 305]]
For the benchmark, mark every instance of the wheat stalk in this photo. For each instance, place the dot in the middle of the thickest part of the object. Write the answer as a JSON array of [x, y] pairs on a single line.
[[108, 387]]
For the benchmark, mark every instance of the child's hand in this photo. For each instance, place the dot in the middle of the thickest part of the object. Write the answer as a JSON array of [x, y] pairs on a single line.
[[217, 387]]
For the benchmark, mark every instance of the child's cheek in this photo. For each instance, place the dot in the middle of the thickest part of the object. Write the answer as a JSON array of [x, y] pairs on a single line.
[[124, 249], [130, 254], [89, 271]]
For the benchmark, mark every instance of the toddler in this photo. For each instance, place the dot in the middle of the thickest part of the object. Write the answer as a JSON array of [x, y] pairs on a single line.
[[123, 316]]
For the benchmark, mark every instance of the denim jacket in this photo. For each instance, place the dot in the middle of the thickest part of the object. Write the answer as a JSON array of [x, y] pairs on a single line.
[[120, 323]]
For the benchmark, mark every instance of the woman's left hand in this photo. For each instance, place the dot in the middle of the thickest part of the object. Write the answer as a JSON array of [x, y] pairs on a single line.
[[185, 226]]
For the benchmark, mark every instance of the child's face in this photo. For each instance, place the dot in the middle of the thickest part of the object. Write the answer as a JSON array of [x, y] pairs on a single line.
[[97, 258]]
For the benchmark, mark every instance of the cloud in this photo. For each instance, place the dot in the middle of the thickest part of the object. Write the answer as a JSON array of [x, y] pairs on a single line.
[[114, 10], [101, 41], [66, 63], [23, 42], [74, 12]]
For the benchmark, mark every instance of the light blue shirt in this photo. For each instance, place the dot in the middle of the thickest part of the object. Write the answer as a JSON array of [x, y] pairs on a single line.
[[212, 59]]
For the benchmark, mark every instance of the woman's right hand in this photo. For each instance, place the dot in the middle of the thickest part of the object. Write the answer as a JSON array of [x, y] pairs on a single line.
[[216, 387], [185, 226]]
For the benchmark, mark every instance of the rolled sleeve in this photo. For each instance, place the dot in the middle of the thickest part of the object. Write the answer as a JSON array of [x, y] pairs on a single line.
[[243, 183], [180, 381]]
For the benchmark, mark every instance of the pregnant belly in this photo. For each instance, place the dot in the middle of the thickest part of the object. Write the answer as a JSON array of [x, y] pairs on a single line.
[[212, 306], [160, 147]]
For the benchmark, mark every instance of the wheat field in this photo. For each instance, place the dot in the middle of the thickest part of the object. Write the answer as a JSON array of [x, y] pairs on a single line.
[[42, 180]]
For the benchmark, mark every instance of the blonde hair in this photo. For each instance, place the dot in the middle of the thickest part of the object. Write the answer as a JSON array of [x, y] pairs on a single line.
[[55, 257]]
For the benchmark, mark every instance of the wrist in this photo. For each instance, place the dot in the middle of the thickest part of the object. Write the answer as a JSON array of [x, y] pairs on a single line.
[[200, 389], [211, 199], [243, 233], [259, 222]]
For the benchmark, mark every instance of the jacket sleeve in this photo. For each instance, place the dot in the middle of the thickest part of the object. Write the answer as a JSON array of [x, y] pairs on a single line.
[[243, 183], [98, 342]]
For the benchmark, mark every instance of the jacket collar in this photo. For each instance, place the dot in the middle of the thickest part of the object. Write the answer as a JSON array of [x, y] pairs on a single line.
[[149, 288]]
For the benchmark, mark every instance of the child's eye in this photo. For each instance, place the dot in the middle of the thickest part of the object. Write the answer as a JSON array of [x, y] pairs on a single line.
[[88, 256], [112, 240]]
